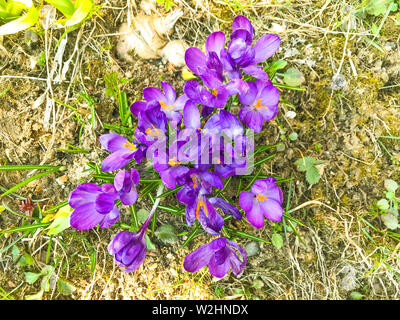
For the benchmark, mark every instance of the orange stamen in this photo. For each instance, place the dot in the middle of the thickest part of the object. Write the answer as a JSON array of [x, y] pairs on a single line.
[[214, 92], [260, 197], [152, 132], [165, 106], [129, 145], [194, 181], [200, 204], [173, 162], [259, 105]]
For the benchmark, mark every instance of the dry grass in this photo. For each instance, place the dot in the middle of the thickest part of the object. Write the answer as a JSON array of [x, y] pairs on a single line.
[[334, 256]]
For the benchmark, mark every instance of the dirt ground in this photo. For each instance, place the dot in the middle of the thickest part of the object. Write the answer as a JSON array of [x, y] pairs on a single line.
[[351, 97]]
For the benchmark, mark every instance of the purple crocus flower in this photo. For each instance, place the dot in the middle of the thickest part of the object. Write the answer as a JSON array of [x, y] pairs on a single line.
[[129, 249], [199, 183], [226, 207], [152, 125], [217, 98], [122, 150], [244, 54], [260, 104], [93, 205], [205, 213], [170, 104], [125, 183], [264, 200], [220, 256]]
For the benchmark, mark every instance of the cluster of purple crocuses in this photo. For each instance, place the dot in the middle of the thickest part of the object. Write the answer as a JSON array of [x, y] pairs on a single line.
[[188, 140]]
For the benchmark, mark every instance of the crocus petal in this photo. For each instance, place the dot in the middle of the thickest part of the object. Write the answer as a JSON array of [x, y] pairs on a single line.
[[243, 35], [218, 270], [253, 119], [215, 42], [250, 205], [140, 256], [272, 210], [269, 96], [197, 259], [191, 116], [121, 180], [237, 264], [266, 46], [104, 203], [117, 160], [135, 176], [112, 142], [226, 207], [137, 107], [255, 215], [180, 102], [187, 195], [209, 180], [242, 22], [132, 256], [111, 218], [248, 97], [195, 60], [83, 194], [153, 94], [85, 217], [268, 189], [256, 71], [169, 92], [121, 240], [130, 197]]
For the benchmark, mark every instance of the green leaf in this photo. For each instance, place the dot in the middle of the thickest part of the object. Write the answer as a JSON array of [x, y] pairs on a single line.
[[36, 296], [293, 77], [277, 65], [277, 240], [390, 221], [65, 287], [142, 215], [31, 277], [22, 23], [66, 7], [356, 295], [61, 220], [83, 8], [375, 30], [383, 204], [305, 163], [391, 185], [312, 175], [47, 272], [15, 253], [293, 136], [378, 7], [149, 244], [166, 233]]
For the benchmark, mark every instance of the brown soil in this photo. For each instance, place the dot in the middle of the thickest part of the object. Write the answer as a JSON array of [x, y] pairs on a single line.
[[328, 258]]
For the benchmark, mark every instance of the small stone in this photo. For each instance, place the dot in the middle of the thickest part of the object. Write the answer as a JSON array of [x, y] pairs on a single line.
[[252, 248]]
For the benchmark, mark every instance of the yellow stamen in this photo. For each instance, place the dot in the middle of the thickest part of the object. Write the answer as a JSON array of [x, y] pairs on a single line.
[[152, 132], [200, 204], [194, 181], [173, 162], [214, 92], [129, 145], [165, 106], [260, 197], [259, 105]]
